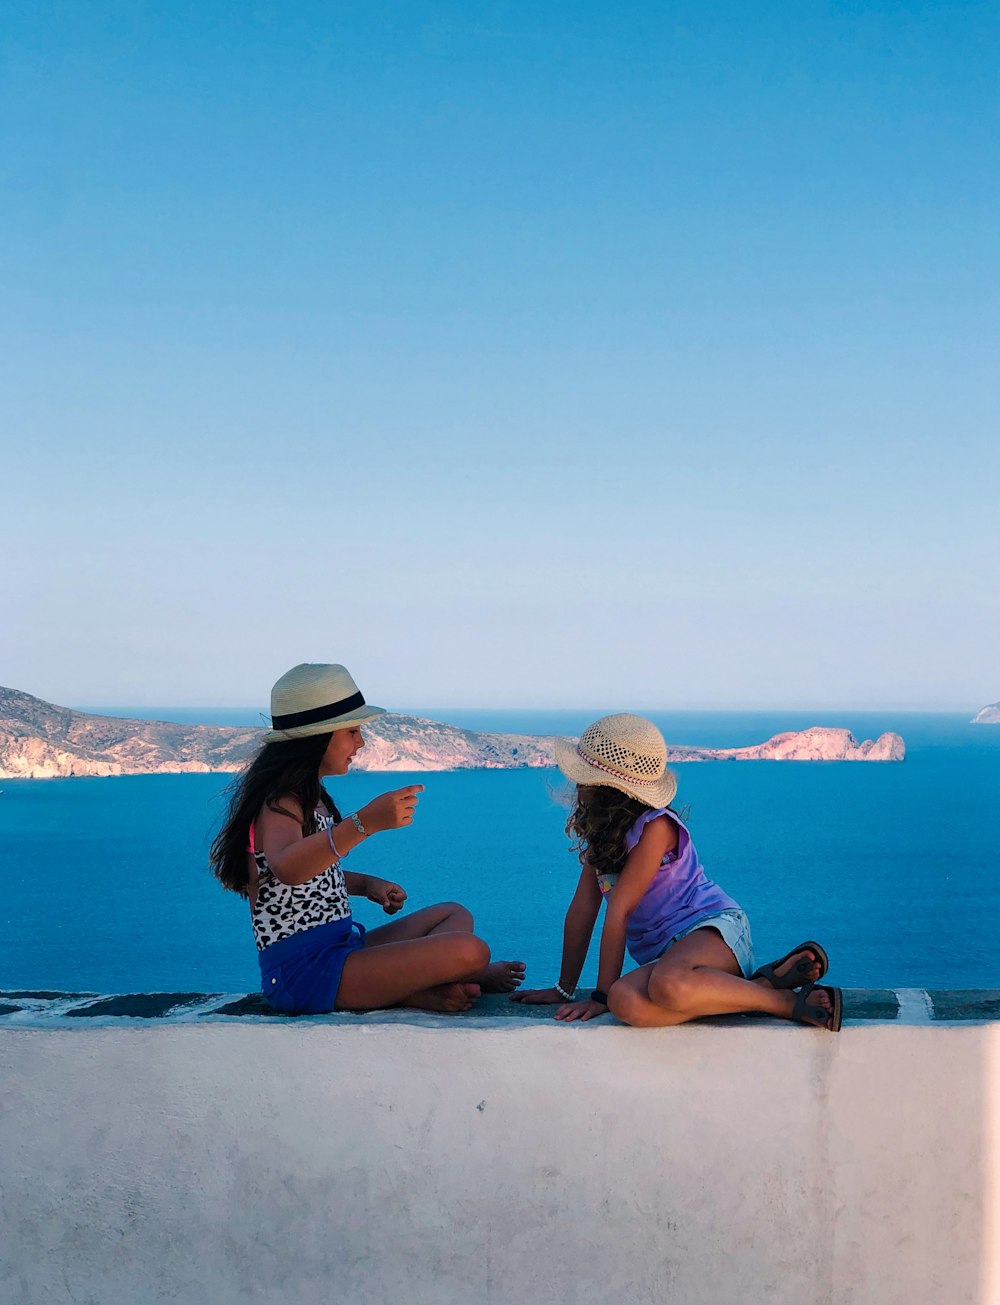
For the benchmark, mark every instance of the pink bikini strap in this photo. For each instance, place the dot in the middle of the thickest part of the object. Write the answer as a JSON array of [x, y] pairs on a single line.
[[251, 849]]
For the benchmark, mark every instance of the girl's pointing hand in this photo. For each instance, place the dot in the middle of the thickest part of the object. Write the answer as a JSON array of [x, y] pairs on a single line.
[[391, 810]]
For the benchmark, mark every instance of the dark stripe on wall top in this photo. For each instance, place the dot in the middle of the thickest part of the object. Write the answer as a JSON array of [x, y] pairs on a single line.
[[310, 717]]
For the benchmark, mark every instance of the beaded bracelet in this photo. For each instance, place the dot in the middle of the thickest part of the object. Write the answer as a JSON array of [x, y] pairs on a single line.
[[566, 996], [355, 820]]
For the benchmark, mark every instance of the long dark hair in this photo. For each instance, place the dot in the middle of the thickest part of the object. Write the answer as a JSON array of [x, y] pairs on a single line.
[[600, 819], [289, 769]]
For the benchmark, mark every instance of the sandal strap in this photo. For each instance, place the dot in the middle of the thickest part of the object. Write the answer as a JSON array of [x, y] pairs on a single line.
[[807, 1013], [780, 981], [767, 972]]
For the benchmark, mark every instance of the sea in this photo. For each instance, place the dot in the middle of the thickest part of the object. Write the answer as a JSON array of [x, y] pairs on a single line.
[[894, 867]]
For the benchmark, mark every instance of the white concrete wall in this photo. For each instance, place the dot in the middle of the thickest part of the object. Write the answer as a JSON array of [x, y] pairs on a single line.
[[500, 1164]]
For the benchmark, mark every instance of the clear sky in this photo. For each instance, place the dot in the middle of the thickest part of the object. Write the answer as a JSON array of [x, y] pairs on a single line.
[[530, 354]]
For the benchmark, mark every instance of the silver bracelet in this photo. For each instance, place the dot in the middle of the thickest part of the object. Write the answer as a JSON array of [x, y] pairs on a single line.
[[329, 839], [355, 820], [566, 996]]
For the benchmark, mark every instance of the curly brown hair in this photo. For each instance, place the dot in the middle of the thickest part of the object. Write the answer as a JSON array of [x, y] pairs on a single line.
[[600, 819]]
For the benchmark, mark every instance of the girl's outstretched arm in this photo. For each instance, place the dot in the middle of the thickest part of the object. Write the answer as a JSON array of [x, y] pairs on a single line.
[[578, 928], [657, 839], [294, 858]]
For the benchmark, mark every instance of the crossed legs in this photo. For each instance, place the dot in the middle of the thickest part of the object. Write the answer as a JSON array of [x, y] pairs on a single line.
[[698, 976], [429, 959]]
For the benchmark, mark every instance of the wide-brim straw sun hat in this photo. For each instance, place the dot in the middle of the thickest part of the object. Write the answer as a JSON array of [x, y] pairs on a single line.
[[624, 752], [315, 698]]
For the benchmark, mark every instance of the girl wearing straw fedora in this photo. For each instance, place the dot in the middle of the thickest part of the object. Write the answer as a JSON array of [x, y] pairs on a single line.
[[282, 847], [690, 940]]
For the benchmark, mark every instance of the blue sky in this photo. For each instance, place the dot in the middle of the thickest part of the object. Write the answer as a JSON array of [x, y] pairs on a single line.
[[530, 354]]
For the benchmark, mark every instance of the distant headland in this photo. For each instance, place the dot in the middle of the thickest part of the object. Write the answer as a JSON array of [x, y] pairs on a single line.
[[988, 716], [39, 740]]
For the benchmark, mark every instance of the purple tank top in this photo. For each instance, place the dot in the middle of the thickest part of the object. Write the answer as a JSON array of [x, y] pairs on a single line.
[[679, 896]]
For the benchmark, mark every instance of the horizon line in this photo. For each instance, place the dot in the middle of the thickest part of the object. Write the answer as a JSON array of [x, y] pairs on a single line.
[[480, 707]]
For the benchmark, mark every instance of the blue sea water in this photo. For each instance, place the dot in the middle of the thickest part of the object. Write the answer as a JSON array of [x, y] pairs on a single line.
[[894, 867]]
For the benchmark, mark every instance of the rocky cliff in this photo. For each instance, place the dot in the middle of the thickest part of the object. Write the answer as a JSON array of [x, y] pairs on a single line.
[[39, 741], [988, 716], [411, 743], [819, 743]]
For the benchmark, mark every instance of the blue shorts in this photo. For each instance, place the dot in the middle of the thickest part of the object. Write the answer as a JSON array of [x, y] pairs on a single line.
[[735, 929], [300, 974]]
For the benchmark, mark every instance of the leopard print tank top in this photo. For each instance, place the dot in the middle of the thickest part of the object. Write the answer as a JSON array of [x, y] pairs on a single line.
[[284, 909]]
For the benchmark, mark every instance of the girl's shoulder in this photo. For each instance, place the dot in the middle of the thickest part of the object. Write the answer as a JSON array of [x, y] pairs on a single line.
[[285, 805], [647, 818], [278, 812]]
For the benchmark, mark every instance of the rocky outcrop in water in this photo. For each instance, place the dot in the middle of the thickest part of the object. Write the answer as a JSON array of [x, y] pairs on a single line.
[[819, 743], [409, 743], [988, 716], [41, 741]]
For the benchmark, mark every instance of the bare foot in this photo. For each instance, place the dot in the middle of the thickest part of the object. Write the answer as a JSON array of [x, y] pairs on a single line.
[[502, 976], [798, 969], [446, 998]]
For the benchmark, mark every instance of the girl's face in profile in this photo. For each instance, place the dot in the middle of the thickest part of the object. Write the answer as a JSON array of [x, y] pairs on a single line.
[[340, 751]]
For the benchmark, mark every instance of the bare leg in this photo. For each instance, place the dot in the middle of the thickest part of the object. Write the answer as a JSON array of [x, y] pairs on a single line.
[[695, 977], [432, 973], [447, 917]]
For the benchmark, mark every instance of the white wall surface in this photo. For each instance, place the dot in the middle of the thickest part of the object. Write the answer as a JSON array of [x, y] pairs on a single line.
[[499, 1164]]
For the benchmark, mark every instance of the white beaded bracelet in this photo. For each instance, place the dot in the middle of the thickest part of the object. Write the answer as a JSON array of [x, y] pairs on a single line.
[[566, 996]]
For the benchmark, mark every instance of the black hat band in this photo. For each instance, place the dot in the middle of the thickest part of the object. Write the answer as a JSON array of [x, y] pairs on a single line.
[[332, 709]]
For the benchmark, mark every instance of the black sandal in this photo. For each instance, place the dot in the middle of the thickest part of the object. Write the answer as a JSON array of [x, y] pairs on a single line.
[[795, 977], [816, 1016]]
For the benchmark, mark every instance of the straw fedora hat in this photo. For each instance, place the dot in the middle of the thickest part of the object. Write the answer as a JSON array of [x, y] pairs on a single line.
[[625, 752], [314, 699]]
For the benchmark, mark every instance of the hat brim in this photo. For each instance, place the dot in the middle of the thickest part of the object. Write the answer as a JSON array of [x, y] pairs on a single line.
[[365, 713], [576, 769]]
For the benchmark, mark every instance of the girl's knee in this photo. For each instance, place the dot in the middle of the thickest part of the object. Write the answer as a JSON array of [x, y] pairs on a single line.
[[672, 988], [624, 1002], [471, 953], [459, 914]]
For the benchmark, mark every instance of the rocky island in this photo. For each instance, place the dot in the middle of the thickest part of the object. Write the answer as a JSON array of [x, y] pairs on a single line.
[[988, 716], [39, 740], [819, 743]]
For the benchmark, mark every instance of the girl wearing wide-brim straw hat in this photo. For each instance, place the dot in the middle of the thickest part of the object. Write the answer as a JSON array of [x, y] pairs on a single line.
[[283, 846], [690, 940]]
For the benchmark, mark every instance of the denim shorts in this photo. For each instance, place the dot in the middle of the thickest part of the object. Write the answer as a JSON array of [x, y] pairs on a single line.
[[735, 929]]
